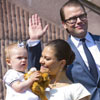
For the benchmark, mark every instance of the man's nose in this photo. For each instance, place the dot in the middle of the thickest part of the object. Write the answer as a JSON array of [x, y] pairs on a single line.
[[78, 20]]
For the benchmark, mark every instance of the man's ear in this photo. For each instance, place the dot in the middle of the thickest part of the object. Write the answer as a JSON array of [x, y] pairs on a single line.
[[64, 25], [8, 62]]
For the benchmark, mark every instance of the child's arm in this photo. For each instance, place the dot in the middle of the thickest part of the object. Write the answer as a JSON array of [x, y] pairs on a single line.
[[22, 86]]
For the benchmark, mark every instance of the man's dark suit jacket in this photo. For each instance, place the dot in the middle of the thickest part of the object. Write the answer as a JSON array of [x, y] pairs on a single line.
[[34, 54], [79, 73]]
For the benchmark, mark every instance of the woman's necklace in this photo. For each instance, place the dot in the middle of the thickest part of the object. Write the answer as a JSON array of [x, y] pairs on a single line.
[[52, 85], [57, 85], [57, 80]]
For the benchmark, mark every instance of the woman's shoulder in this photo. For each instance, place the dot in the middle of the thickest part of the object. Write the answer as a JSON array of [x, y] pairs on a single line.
[[72, 87], [81, 90], [75, 86], [76, 90]]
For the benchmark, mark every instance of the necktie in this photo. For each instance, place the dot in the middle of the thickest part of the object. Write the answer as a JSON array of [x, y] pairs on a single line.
[[91, 62]]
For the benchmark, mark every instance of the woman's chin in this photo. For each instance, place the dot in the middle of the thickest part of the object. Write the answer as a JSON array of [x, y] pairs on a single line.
[[44, 70]]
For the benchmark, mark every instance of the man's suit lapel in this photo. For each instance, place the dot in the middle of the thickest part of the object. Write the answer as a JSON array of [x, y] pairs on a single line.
[[79, 58]]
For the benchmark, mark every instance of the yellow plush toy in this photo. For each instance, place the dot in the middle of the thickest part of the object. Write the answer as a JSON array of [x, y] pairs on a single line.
[[39, 87]]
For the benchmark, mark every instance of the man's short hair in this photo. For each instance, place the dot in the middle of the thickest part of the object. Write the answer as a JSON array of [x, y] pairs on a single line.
[[70, 3]]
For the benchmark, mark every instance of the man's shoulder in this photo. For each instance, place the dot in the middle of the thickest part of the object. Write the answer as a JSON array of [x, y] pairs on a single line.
[[95, 37]]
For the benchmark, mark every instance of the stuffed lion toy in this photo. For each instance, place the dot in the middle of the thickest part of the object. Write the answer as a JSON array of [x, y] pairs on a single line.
[[39, 87]]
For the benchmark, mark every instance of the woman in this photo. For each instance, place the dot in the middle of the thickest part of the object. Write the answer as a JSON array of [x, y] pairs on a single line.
[[56, 55]]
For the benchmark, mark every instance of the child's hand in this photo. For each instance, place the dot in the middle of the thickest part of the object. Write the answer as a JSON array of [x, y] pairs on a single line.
[[35, 76]]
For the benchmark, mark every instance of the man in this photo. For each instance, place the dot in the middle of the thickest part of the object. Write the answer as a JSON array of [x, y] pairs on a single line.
[[74, 20]]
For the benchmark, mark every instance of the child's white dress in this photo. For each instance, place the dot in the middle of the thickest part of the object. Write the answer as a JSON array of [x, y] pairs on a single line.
[[11, 76]]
